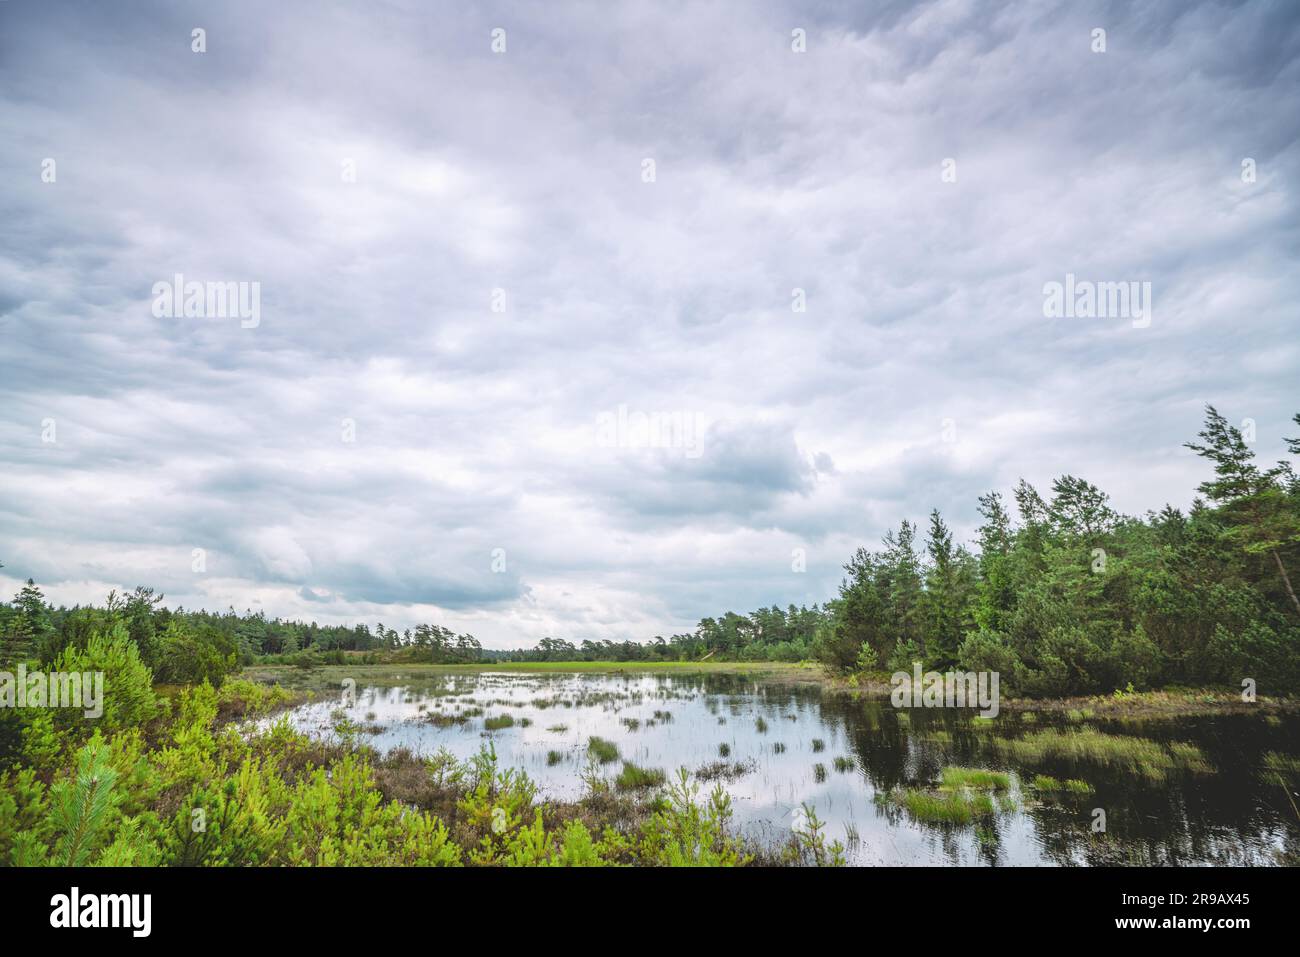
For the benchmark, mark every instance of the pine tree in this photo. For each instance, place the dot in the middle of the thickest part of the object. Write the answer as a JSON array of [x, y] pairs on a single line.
[[82, 807], [29, 627], [1264, 517], [941, 594]]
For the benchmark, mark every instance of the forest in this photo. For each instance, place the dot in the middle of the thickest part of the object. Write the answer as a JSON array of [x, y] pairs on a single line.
[[1074, 598], [1060, 594]]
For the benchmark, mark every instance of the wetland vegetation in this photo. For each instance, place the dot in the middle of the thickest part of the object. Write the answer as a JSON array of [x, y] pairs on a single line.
[[883, 785], [1149, 666]]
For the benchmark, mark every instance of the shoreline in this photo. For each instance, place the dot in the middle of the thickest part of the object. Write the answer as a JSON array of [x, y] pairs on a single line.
[[1166, 702]]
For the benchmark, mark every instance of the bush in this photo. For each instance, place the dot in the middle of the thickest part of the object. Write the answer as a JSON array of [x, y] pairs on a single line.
[[129, 698], [191, 657], [987, 650]]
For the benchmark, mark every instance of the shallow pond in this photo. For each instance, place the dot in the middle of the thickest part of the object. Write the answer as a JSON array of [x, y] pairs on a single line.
[[853, 759]]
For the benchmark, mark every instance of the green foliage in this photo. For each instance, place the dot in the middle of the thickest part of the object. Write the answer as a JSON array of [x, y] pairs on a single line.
[[808, 844], [606, 752], [1141, 757], [82, 807], [188, 656], [1078, 599], [959, 807], [690, 833], [196, 792], [23, 811], [634, 778], [954, 777], [129, 698]]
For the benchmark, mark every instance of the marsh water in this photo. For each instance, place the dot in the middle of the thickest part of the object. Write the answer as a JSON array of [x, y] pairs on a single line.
[[776, 746]]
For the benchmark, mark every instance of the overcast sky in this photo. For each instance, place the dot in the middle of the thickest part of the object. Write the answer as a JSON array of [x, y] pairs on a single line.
[[507, 271]]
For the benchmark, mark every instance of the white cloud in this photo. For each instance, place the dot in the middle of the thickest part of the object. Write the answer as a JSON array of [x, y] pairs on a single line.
[[474, 429]]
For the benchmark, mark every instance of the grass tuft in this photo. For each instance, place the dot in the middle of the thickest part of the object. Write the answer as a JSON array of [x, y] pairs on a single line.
[[603, 751], [1140, 756], [955, 778], [944, 807], [633, 778]]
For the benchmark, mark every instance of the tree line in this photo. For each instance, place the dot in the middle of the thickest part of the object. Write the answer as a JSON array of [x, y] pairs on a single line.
[[1070, 597], [1060, 594], [768, 634], [183, 647]]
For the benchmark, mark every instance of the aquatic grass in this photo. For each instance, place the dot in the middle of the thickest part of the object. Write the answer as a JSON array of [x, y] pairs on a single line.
[[819, 772], [724, 750], [954, 778], [553, 758], [1287, 765], [634, 778], [818, 745], [558, 729], [1189, 757], [1047, 784], [778, 748], [725, 770], [760, 725], [603, 751], [851, 836], [440, 720], [1140, 756], [843, 764], [499, 722], [943, 807]]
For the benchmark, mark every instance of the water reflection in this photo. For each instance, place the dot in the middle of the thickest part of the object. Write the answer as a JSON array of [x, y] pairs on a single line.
[[775, 746]]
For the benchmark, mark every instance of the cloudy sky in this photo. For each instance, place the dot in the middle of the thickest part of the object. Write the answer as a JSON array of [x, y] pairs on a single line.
[[485, 273]]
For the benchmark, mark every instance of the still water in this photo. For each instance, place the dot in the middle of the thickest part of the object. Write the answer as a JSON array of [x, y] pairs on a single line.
[[778, 746]]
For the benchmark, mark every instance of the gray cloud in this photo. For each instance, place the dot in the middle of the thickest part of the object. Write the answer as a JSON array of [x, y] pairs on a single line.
[[922, 372]]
